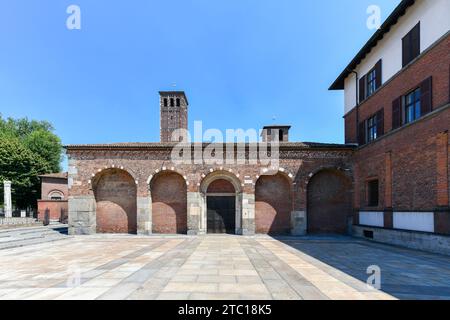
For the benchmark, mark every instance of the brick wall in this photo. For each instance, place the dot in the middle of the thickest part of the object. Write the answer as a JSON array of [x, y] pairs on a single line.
[[434, 63], [412, 178], [221, 186], [52, 210], [329, 202], [51, 184], [115, 194], [273, 204], [169, 204]]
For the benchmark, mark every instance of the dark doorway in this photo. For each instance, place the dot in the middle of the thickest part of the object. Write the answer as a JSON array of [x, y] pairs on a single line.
[[221, 214]]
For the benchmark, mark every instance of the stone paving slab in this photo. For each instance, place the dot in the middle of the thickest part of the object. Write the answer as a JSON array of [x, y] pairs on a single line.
[[218, 267]]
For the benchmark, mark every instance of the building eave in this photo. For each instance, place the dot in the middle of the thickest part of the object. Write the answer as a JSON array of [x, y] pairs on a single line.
[[393, 18]]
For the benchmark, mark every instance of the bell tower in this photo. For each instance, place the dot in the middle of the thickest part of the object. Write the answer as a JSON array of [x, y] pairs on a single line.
[[174, 113]]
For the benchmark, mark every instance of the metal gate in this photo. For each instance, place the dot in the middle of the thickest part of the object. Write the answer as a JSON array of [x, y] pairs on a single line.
[[221, 214]]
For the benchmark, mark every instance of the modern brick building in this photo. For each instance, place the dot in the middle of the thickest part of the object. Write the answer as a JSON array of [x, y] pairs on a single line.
[[389, 181], [397, 110]]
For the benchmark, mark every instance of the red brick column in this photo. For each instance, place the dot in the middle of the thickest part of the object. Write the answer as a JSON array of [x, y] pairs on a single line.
[[442, 214]]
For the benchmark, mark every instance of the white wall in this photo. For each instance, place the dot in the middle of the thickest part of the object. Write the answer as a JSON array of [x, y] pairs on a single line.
[[434, 17], [415, 221], [373, 219]]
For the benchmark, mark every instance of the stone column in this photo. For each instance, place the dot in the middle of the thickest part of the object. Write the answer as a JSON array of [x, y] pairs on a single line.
[[8, 201], [195, 212], [82, 215], [248, 214], [144, 215]]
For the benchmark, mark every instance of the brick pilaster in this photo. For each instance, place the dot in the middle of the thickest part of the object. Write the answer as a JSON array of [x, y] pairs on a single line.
[[388, 181], [442, 169]]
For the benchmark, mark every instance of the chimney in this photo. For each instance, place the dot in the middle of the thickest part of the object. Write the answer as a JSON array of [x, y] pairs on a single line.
[[275, 133]]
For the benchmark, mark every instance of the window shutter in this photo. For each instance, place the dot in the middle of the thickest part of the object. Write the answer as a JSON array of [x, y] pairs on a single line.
[[380, 123], [415, 42], [378, 70], [362, 133], [362, 89], [406, 49], [397, 113], [426, 96]]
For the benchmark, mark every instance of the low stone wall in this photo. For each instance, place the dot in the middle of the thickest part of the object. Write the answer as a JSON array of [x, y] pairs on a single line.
[[17, 221], [430, 242]]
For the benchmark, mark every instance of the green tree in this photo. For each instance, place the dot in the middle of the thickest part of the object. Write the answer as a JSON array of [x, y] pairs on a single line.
[[47, 146], [22, 167], [27, 150]]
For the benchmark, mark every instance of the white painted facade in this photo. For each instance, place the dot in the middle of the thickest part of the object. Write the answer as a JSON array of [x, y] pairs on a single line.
[[434, 17], [414, 221], [372, 219]]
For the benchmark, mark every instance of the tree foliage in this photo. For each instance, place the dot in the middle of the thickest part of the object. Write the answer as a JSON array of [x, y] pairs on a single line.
[[27, 150]]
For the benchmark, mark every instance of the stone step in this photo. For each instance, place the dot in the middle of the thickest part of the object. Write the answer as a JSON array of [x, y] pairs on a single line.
[[29, 242], [19, 237]]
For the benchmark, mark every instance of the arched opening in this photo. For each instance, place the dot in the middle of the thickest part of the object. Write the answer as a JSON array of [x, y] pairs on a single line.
[[273, 205], [169, 203], [328, 202], [56, 195], [115, 193], [222, 211], [221, 207]]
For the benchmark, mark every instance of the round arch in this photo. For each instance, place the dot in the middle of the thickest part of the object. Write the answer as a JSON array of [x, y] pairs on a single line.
[[273, 204], [221, 193], [115, 193], [168, 191], [328, 201]]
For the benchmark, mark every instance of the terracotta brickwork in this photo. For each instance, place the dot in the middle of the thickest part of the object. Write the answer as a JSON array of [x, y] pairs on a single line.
[[146, 162], [221, 186], [52, 210], [410, 163], [329, 201], [53, 186], [169, 204], [435, 63], [273, 204], [115, 195]]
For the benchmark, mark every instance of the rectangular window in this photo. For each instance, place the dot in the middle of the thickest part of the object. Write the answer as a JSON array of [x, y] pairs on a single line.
[[412, 103], [165, 102], [372, 131], [372, 193], [411, 45], [371, 82]]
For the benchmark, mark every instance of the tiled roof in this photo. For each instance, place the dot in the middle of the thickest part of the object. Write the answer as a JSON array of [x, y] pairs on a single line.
[[399, 11], [153, 145], [59, 175]]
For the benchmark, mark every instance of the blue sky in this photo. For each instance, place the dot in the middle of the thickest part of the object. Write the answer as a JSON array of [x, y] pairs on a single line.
[[241, 63]]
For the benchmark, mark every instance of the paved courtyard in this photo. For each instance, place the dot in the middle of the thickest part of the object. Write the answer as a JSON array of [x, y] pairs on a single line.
[[218, 267]]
